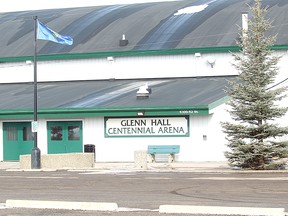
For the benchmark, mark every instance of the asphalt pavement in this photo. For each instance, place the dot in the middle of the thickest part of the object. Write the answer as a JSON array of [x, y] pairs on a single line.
[[118, 168]]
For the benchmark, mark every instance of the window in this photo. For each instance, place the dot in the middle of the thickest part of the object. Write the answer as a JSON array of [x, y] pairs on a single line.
[[12, 133], [27, 134], [73, 133], [56, 133]]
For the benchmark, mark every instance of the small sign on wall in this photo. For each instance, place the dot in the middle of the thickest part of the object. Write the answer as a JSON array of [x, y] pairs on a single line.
[[147, 126], [34, 126]]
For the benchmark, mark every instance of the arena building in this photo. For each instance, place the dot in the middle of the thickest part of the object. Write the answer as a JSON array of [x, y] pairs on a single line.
[[137, 74]]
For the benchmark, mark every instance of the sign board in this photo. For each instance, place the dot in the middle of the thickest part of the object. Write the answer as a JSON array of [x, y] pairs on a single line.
[[34, 126], [146, 126]]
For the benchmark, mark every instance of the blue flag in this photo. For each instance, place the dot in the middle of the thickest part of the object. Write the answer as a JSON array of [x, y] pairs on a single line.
[[45, 33]]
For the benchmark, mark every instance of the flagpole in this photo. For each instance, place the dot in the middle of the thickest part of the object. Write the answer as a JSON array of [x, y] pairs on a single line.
[[35, 154]]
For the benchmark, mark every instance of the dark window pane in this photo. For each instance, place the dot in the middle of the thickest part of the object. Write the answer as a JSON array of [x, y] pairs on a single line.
[[27, 134], [12, 134], [73, 133], [56, 133]]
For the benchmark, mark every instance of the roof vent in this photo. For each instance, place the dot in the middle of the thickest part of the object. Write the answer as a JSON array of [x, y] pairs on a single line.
[[143, 92], [123, 41], [148, 88]]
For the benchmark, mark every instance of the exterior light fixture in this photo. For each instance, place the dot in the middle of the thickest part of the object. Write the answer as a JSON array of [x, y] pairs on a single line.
[[29, 62], [205, 137], [110, 58], [142, 113], [211, 61]]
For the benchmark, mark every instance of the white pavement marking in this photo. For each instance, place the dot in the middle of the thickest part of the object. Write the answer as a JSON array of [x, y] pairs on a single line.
[[11, 176], [157, 178], [117, 172], [96, 206], [43, 177], [50, 177], [39, 177], [186, 209]]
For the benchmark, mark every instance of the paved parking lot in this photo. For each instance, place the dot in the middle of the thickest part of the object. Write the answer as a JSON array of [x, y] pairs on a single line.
[[141, 193]]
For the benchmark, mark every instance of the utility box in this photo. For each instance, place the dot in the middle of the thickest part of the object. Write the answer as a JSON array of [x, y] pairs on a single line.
[[89, 148], [140, 159]]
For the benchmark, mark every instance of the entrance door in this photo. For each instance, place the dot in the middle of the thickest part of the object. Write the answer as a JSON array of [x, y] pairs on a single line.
[[64, 137], [17, 140]]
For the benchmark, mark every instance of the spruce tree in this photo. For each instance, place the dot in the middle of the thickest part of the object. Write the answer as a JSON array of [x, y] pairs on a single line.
[[252, 134]]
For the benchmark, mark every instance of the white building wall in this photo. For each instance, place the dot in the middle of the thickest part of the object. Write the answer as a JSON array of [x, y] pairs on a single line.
[[119, 149], [282, 65], [217, 136], [42, 136], [192, 148], [93, 133], [165, 66], [207, 142]]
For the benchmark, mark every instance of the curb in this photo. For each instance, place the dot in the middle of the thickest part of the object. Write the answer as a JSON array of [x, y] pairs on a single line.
[[95, 206], [159, 170], [31, 170], [187, 209], [174, 209], [203, 167]]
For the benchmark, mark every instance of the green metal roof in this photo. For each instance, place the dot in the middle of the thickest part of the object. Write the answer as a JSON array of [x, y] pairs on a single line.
[[154, 28], [170, 96]]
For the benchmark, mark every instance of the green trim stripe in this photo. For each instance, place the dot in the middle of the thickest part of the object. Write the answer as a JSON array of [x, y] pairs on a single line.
[[71, 56], [218, 102], [109, 112]]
